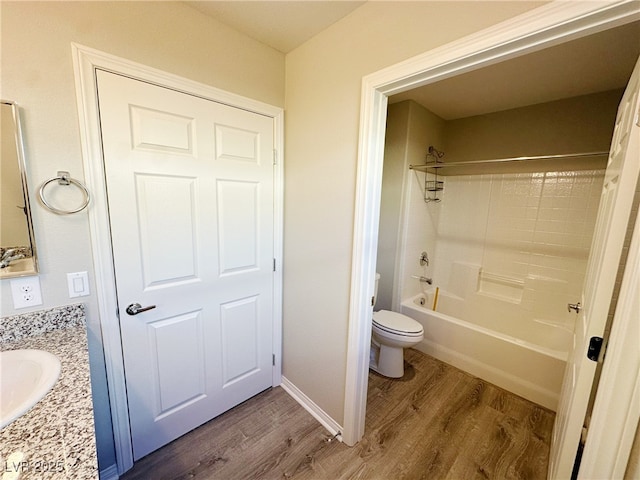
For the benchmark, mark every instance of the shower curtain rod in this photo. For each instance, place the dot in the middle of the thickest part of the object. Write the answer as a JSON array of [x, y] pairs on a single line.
[[505, 160]]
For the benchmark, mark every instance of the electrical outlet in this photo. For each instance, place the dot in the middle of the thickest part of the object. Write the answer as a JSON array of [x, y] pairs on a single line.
[[26, 292]]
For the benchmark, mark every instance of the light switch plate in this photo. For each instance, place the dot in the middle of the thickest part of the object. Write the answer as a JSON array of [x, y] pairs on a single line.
[[78, 284], [26, 292]]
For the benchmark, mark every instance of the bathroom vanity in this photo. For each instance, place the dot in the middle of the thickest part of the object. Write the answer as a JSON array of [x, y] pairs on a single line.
[[55, 439]]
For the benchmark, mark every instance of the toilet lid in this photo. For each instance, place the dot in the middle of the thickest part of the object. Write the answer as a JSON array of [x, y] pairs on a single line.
[[396, 322]]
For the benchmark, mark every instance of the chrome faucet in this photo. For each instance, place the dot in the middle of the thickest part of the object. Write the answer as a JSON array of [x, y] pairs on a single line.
[[9, 256], [423, 279]]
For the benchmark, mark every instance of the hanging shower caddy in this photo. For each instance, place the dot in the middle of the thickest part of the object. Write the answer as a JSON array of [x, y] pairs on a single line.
[[431, 183], [434, 163]]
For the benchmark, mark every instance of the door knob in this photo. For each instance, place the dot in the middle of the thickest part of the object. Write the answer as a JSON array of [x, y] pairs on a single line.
[[574, 306], [136, 308]]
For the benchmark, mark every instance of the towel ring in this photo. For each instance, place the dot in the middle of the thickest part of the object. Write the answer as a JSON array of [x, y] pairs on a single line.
[[63, 178]]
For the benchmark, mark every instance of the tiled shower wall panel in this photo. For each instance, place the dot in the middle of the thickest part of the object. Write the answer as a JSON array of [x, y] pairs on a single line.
[[419, 234], [530, 227]]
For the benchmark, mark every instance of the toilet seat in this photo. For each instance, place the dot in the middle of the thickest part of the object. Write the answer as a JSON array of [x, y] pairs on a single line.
[[397, 324]]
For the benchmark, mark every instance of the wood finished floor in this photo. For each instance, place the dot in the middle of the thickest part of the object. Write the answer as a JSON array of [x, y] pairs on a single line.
[[437, 422]]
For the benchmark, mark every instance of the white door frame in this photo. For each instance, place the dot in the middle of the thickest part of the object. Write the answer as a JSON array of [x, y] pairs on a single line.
[[549, 25], [616, 410], [86, 60]]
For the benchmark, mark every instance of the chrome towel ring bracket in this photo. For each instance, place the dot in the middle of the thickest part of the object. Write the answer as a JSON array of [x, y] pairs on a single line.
[[63, 178]]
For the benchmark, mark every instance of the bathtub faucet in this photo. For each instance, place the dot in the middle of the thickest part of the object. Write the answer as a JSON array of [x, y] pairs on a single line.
[[423, 279]]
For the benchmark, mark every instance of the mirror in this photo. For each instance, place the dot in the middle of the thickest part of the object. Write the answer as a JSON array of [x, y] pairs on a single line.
[[17, 245]]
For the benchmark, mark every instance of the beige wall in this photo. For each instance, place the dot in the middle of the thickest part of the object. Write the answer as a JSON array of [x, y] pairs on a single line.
[[633, 467], [37, 73], [571, 125], [323, 86], [395, 155]]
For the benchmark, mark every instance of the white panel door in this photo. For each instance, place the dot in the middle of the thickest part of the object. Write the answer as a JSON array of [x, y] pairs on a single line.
[[190, 193], [611, 225]]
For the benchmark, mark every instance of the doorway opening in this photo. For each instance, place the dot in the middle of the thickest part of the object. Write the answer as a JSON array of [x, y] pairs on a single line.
[[559, 25], [508, 225]]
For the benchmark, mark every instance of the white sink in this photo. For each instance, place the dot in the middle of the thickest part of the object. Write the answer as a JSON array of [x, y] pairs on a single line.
[[25, 377]]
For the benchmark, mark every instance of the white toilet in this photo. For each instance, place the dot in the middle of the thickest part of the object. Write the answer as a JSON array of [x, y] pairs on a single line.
[[391, 333]]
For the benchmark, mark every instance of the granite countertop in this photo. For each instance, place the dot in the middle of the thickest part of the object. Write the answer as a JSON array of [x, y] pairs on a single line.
[[56, 437]]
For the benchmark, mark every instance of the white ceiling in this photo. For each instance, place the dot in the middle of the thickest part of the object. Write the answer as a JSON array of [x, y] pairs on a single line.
[[597, 63], [283, 25]]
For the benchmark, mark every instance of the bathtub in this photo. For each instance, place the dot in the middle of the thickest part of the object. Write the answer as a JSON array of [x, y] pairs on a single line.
[[492, 347]]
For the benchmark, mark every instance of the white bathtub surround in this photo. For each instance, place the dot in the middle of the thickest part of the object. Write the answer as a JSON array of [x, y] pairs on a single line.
[[510, 252], [529, 232], [528, 361], [483, 326], [419, 233]]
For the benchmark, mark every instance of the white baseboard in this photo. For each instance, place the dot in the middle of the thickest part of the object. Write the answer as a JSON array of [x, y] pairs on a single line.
[[327, 422], [109, 473]]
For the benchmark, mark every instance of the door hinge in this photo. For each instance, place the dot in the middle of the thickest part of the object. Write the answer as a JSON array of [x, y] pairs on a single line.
[[274, 264], [273, 359], [275, 156], [595, 345]]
